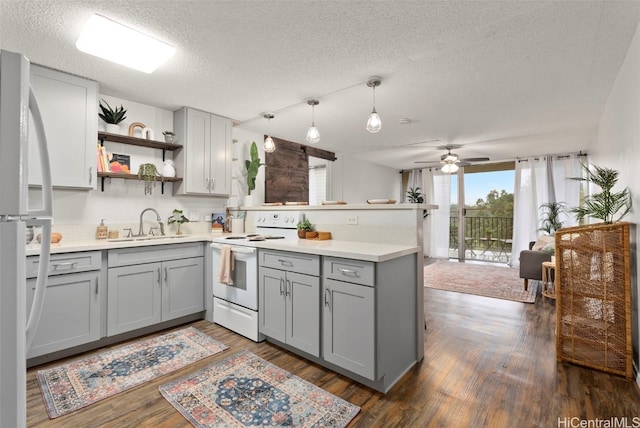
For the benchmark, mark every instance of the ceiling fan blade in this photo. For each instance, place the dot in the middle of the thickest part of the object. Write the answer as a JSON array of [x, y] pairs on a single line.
[[429, 162], [475, 159]]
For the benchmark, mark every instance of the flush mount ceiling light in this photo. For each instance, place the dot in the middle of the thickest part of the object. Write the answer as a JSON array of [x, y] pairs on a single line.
[[269, 145], [115, 42], [374, 124], [313, 136]]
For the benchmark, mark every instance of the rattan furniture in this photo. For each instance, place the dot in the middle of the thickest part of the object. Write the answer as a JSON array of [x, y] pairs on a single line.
[[593, 291], [548, 280]]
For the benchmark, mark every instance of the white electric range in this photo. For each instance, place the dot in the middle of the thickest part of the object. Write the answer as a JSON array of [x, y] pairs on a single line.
[[235, 306]]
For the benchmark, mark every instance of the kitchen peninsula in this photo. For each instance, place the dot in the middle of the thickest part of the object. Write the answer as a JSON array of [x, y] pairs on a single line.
[[384, 279]]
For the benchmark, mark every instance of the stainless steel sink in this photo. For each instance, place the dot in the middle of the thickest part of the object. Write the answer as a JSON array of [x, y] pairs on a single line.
[[146, 238]]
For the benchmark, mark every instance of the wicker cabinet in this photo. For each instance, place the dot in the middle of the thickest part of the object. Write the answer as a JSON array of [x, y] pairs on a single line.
[[593, 288]]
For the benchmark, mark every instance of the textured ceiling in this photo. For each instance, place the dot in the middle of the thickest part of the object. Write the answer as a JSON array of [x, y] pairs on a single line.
[[501, 78]]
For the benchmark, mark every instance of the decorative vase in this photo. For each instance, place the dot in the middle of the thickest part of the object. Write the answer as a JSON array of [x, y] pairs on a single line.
[[113, 128], [248, 200], [168, 139], [168, 168], [302, 234]]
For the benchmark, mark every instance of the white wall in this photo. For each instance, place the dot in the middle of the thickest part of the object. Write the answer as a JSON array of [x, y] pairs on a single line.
[[355, 181], [618, 147]]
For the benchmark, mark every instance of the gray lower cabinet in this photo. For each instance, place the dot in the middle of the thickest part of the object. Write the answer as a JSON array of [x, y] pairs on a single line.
[[289, 301], [348, 328], [142, 294], [71, 311]]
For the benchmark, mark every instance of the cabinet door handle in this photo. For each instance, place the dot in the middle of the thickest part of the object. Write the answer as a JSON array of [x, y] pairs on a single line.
[[348, 272], [213, 184], [96, 286], [208, 185], [281, 286], [90, 175], [287, 291], [65, 266], [159, 276], [166, 273], [327, 298]]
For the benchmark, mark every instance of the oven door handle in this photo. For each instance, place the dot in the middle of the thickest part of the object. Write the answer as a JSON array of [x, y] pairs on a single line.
[[239, 250]]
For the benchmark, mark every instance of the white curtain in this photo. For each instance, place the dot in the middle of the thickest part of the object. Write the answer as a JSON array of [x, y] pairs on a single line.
[[538, 181], [414, 181], [564, 189], [437, 190], [530, 191]]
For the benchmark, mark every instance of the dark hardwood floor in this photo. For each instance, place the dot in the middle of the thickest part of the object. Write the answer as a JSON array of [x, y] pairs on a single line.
[[488, 363]]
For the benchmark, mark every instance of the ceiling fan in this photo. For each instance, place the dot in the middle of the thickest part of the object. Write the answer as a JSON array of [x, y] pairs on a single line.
[[450, 161]]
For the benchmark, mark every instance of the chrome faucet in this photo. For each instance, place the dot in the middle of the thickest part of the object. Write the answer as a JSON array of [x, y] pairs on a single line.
[[141, 229]]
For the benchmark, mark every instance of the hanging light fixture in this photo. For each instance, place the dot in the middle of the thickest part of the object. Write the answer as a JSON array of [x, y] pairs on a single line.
[[374, 123], [313, 136], [269, 145]]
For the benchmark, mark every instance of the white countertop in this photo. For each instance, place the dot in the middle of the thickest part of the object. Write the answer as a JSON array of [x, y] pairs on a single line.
[[348, 249]]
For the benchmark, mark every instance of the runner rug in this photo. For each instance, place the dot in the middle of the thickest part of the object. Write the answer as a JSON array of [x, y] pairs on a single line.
[[245, 390], [77, 384], [490, 281]]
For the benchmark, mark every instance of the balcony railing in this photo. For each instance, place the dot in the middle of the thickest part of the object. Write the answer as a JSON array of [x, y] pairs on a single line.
[[487, 235]]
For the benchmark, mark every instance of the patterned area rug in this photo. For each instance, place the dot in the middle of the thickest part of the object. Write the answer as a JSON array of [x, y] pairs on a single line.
[[245, 390], [71, 386], [490, 281]]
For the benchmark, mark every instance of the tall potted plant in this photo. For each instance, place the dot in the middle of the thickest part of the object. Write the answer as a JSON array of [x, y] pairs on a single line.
[[112, 117], [551, 216], [593, 280], [252, 165]]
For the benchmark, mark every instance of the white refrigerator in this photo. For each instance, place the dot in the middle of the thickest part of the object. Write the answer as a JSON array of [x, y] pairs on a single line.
[[18, 108]]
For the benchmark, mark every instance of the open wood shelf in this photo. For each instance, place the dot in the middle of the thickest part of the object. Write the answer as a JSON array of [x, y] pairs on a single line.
[[135, 141], [125, 176]]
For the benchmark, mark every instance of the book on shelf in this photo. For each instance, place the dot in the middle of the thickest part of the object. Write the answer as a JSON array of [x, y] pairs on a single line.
[[119, 163]]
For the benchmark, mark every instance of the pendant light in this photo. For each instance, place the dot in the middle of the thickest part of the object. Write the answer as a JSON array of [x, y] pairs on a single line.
[[269, 145], [374, 123], [313, 136]]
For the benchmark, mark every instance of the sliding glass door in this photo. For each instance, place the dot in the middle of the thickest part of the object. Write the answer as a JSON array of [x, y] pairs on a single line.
[[481, 221]]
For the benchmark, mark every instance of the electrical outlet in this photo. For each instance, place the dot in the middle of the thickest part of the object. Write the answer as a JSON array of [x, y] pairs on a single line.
[[194, 216], [207, 217], [352, 219]]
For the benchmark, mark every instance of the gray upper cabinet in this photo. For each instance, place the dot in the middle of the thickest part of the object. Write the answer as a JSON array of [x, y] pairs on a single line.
[[69, 108], [205, 160]]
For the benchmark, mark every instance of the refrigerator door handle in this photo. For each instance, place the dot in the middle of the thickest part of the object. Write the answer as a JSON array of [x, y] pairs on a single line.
[[47, 192], [41, 281]]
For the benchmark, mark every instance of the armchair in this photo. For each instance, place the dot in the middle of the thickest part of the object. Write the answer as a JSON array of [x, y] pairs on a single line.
[[531, 264]]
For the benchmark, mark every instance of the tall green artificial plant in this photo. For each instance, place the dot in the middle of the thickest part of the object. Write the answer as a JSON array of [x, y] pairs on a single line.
[[252, 167], [606, 204]]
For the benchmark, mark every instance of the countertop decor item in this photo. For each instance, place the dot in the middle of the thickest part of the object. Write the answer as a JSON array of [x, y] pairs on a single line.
[[178, 218], [135, 125], [381, 201], [304, 226], [148, 172]]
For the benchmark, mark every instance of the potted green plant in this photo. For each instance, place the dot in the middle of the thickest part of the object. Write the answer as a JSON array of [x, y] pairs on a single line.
[[304, 226], [168, 136], [551, 216], [178, 218], [148, 172], [252, 166], [112, 117], [488, 231], [414, 195], [605, 204]]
